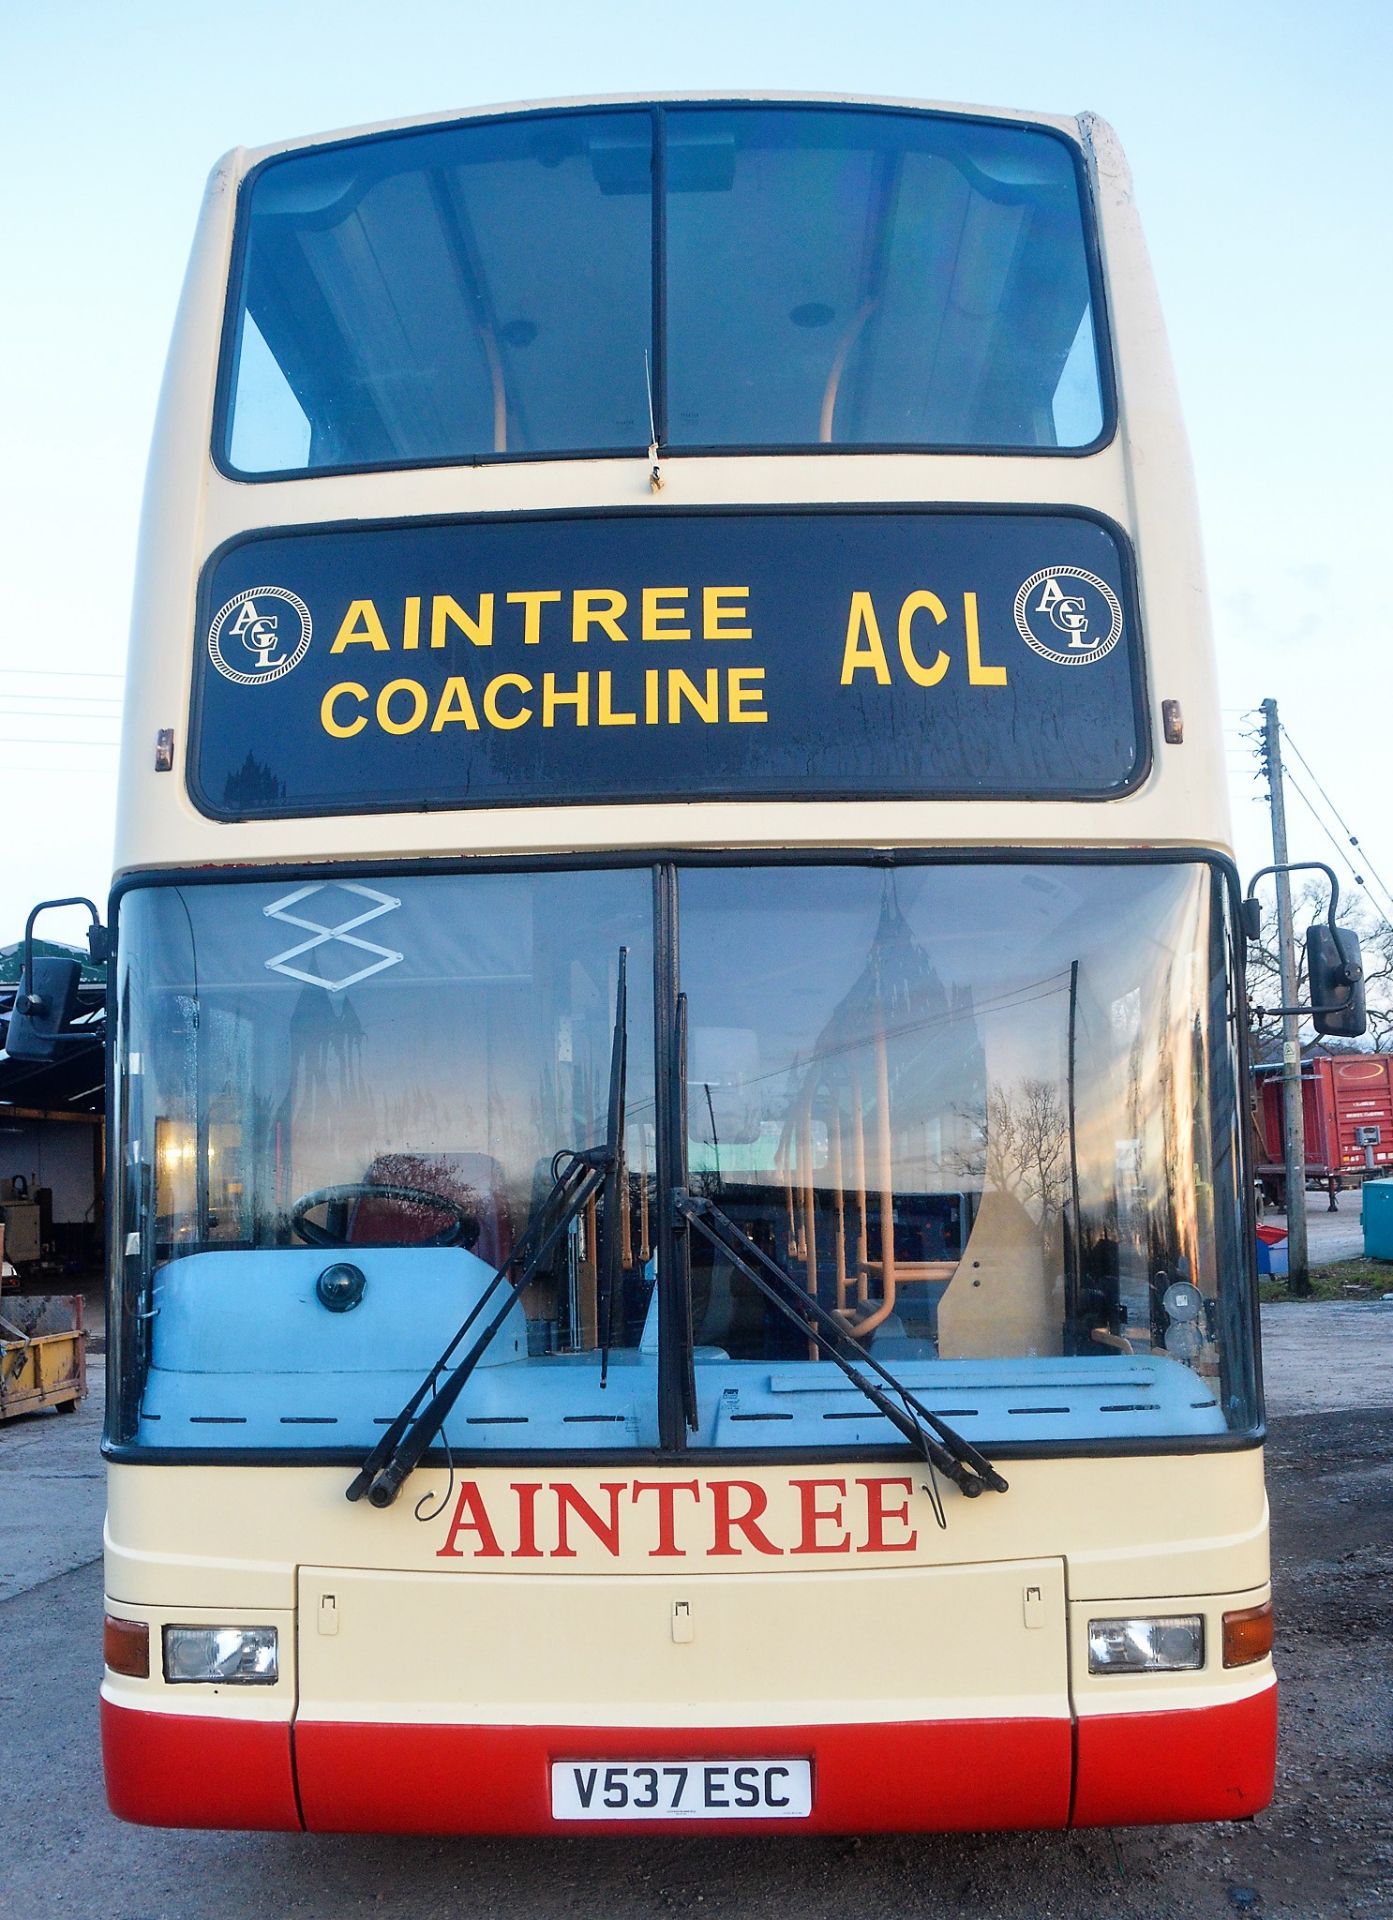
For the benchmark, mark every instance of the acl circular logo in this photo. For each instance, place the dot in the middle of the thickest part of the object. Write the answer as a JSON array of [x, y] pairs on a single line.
[[260, 635], [1068, 616]]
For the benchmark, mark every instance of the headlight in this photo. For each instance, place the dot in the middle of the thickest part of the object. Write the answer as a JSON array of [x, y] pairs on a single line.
[[228, 1656], [1171, 1644]]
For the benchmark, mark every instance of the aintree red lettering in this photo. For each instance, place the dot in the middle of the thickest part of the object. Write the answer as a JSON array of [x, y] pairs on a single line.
[[815, 1516], [470, 1516], [725, 1520], [878, 1514], [569, 1500], [737, 1507], [667, 1492], [527, 1491]]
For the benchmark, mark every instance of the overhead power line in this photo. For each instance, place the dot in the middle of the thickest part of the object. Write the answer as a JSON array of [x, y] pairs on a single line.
[[22, 701], [52, 740], [1345, 827], [1355, 875], [57, 673], [102, 717]]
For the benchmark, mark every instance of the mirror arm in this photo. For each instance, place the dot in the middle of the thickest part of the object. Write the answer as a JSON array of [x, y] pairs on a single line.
[[1300, 866], [1272, 1013]]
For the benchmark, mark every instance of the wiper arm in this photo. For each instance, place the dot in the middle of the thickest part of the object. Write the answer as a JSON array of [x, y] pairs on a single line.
[[577, 1178], [616, 1180], [399, 1450], [940, 1445]]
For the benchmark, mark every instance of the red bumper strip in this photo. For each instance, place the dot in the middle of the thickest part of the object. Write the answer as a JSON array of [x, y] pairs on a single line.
[[187, 1770], [946, 1776], [178, 1770], [1143, 1769]]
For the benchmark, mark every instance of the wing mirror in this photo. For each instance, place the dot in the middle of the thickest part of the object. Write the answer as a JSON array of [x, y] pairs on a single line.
[[46, 1001], [1334, 964]]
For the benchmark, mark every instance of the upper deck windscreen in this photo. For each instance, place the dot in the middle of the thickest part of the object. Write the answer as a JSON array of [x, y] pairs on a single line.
[[791, 276]]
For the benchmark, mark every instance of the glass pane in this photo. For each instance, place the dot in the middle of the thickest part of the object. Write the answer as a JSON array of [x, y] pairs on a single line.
[[270, 433], [379, 1074], [849, 277], [477, 290], [988, 1117]]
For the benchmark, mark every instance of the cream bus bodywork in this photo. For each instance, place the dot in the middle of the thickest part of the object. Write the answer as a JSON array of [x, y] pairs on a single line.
[[1141, 480], [434, 1656]]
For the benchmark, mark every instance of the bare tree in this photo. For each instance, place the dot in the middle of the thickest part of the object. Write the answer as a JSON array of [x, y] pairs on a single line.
[[1021, 1141]]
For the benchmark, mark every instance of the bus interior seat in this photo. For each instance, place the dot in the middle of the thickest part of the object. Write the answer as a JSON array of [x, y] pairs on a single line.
[[1002, 1299], [472, 1180]]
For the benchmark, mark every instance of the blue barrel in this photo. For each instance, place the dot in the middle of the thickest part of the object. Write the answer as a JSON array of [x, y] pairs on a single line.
[[1378, 1219]]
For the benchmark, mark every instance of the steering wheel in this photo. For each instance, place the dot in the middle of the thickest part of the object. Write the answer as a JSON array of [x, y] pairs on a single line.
[[461, 1231]]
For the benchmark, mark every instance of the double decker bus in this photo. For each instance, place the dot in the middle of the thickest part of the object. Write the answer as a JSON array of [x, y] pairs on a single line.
[[680, 1242]]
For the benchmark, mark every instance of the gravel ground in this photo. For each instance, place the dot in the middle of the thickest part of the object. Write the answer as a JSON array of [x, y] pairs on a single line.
[[1323, 1356], [1324, 1851], [1329, 1236]]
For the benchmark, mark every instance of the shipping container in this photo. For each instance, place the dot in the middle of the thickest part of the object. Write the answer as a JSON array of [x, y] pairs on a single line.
[[1347, 1101]]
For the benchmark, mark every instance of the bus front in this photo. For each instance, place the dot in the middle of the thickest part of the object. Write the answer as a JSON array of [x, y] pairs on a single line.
[[680, 1242]]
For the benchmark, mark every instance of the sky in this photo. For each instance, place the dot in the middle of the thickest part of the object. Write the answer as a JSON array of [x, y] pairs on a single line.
[[1260, 147]]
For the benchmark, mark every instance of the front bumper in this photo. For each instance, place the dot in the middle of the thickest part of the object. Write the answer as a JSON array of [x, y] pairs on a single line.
[[176, 1769]]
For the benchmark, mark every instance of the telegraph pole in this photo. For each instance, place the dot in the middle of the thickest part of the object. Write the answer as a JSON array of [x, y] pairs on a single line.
[[1293, 1121]]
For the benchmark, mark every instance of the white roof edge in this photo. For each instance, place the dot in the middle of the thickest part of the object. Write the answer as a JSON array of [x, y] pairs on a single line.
[[251, 156]]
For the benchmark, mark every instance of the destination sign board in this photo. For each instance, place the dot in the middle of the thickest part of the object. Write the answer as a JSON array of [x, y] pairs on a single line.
[[667, 654]]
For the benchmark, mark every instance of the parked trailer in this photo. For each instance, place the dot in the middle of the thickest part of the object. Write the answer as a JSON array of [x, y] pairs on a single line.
[[43, 1359], [1347, 1102]]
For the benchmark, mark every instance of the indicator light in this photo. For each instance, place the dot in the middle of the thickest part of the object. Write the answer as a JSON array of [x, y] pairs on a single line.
[[126, 1647], [1247, 1635]]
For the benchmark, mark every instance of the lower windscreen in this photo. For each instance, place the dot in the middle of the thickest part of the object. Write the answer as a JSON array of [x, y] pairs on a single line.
[[661, 654]]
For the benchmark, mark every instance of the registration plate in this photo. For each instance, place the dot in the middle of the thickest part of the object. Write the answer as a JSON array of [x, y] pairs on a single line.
[[681, 1789]]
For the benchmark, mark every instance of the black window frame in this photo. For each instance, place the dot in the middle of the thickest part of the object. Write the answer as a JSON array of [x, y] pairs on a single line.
[[665, 865], [230, 343]]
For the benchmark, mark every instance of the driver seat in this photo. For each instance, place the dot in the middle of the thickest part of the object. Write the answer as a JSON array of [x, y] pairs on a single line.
[[473, 1181]]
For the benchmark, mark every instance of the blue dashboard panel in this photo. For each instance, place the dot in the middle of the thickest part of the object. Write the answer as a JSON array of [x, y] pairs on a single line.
[[244, 1355], [248, 1311], [1117, 1397]]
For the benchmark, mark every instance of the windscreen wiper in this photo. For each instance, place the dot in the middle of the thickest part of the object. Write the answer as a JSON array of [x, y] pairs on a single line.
[[616, 1179], [941, 1446], [576, 1179]]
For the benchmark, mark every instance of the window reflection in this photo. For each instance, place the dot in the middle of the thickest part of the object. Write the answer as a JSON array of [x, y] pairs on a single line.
[[832, 277], [983, 1114], [386, 1072], [484, 289], [861, 278], [986, 1114]]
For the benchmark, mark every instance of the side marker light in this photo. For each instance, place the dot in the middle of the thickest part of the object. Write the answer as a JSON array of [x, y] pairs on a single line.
[[1247, 1635], [126, 1647]]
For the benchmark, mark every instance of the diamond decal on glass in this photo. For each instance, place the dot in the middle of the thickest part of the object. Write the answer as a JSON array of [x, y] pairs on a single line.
[[323, 936]]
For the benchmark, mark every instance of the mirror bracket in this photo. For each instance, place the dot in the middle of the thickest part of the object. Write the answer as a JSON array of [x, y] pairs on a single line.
[[46, 997]]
